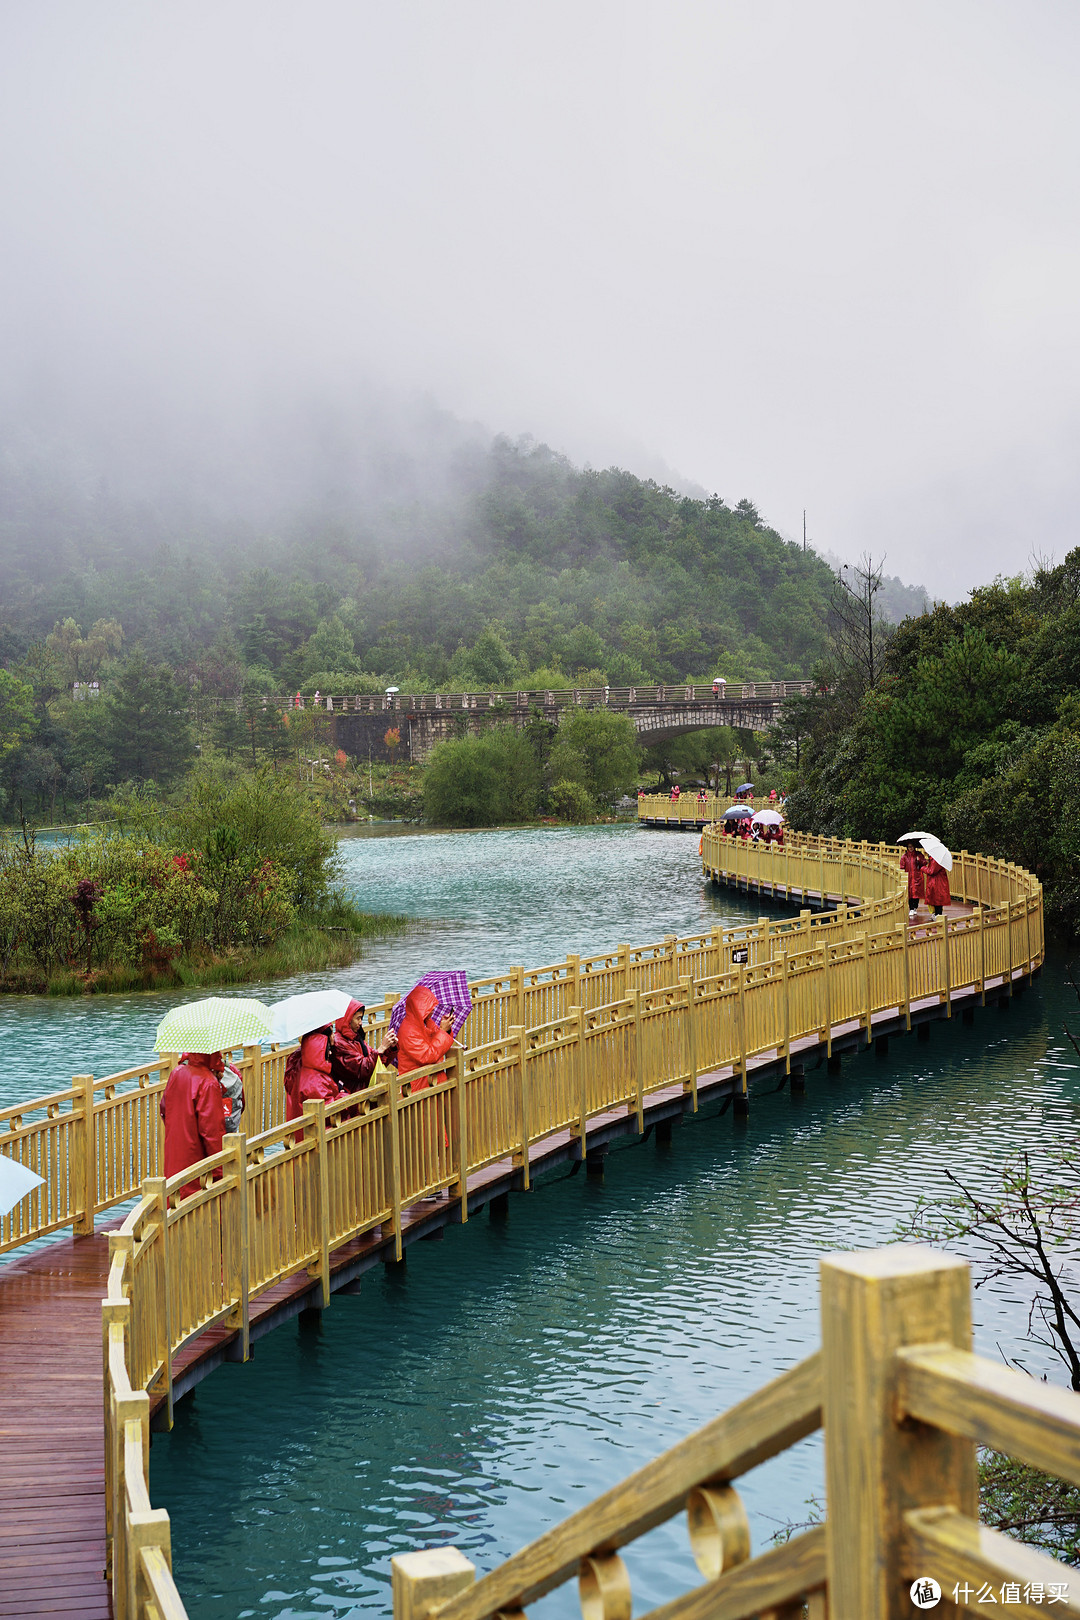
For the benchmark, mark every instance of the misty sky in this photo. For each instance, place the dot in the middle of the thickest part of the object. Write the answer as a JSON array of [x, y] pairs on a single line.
[[817, 253]]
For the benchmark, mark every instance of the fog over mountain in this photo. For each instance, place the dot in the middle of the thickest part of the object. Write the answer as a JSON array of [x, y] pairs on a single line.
[[261, 256]]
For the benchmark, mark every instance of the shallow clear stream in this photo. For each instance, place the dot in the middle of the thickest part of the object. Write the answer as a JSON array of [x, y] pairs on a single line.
[[506, 1375]]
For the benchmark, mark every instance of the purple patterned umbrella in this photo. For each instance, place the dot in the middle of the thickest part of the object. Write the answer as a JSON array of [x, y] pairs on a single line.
[[451, 989]]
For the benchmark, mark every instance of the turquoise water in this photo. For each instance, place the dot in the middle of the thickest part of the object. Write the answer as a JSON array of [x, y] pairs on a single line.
[[511, 1372]]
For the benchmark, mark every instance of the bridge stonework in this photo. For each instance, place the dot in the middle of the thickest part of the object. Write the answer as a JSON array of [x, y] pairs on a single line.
[[359, 725]]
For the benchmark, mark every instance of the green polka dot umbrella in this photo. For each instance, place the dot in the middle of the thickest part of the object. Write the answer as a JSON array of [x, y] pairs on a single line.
[[214, 1025]]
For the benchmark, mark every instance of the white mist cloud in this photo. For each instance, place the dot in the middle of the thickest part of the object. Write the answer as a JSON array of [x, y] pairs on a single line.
[[824, 256]]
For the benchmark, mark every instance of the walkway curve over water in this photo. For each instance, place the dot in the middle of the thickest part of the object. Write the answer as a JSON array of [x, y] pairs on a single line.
[[575, 1054]]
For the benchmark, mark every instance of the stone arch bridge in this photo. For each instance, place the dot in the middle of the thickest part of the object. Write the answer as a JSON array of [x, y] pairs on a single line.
[[359, 724]]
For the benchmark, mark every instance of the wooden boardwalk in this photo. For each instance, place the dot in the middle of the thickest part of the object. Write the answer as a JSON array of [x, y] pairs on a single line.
[[52, 1483]]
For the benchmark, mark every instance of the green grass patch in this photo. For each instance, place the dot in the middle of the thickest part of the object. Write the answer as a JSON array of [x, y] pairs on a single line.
[[308, 946]]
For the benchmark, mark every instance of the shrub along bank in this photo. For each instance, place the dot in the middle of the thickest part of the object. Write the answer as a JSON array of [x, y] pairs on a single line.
[[239, 882]]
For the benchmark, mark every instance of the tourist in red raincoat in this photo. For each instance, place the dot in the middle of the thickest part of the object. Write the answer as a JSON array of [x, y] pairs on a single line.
[[420, 1039], [308, 1074], [352, 1060], [912, 862], [195, 1111], [936, 881]]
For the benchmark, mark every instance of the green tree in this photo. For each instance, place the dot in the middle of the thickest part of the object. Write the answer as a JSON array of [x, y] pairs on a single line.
[[597, 748], [17, 718], [81, 657], [147, 729], [483, 781], [253, 817]]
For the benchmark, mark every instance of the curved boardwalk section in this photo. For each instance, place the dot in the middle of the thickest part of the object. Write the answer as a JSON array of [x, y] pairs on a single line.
[[560, 1061]]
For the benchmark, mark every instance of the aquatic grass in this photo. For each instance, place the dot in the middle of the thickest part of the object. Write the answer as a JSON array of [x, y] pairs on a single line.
[[306, 947]]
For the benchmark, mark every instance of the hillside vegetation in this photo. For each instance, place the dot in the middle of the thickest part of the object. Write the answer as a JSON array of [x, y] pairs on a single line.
[[967, 724], [519, 570]]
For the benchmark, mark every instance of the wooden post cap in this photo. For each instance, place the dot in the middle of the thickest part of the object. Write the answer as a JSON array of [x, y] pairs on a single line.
[[421, 1580], [896, 1260]]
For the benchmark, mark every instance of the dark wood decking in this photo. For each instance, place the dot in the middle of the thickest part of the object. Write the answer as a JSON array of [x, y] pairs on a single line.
[[52, 1477]]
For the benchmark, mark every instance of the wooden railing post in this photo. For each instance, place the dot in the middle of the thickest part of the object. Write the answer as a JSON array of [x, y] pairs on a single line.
[[826, 994], [154, 1187], [690, 1084], [84, 1146], [742, 1096], [517, 974], [624, 969], [459, 1102], [639, 1062], [945, 964], [518, 1033], [671, 946], [786, 1052], [236, 1147], [254, 1104], [393, 1125], [573, 978], [982, 954], [1008, 937], [906, 1009], [315, 1120], [876, 1469], [578, 1082], [422, 1580], [866, 979]]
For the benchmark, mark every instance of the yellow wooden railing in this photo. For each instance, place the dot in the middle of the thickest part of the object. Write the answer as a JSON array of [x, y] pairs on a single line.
[[688, 810], [96, 1141], [903, 1403]]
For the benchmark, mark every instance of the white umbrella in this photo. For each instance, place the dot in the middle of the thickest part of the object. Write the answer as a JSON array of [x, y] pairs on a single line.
[[297, 1015], [15, 1182], [769, 818], [913, 838], [937, 851]]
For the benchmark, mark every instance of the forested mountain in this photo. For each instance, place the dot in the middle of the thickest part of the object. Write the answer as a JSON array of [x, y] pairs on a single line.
[[564, 569]]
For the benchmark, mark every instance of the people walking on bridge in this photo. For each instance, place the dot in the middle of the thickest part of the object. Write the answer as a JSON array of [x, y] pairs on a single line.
[[195, 1112], [936, 883], [675, 792]]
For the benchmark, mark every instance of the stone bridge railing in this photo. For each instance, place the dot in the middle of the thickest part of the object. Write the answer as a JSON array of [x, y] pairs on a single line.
[[422, 719]]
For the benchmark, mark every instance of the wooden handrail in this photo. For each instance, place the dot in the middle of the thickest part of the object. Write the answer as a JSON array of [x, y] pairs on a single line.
[[962, 1554], [765, 1423], [992, 1404], [900, 1495]]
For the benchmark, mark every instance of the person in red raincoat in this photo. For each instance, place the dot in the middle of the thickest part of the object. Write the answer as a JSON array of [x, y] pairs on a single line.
[[352, 1060], [195, 1111], [420, 1040], [936, 881], [308, 1074], [911, 861]]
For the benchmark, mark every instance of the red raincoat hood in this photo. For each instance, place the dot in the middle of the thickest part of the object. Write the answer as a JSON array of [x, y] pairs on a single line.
[[421, 1002], [342, 1024]]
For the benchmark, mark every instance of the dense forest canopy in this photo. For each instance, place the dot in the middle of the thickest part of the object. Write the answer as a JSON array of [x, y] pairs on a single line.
[[571, 569]]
